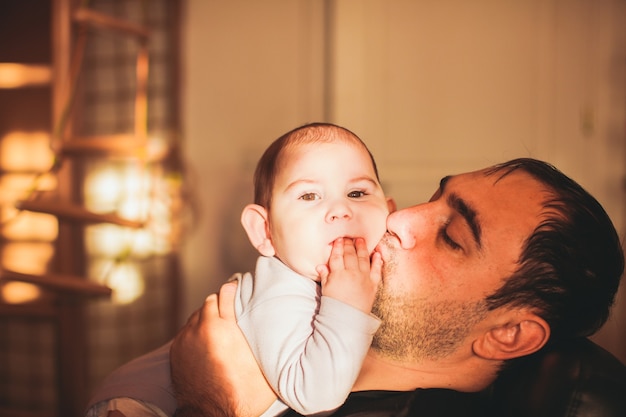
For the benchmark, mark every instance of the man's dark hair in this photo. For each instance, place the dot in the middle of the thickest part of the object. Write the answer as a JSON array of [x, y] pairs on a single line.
[[571, 265]]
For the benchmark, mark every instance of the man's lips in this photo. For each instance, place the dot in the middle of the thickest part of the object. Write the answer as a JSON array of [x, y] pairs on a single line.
[[386, 241]]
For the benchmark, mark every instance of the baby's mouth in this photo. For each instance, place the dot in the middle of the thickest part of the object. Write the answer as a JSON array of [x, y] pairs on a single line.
[[338, 237]]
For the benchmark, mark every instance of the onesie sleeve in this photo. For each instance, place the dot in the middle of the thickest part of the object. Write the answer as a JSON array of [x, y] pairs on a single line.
[[310, 348]]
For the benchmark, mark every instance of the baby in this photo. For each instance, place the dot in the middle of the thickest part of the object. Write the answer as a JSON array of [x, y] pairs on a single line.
[[316, 189]]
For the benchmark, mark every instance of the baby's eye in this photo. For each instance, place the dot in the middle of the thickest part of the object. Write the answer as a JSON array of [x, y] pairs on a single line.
[[309, 197], [356, 194]]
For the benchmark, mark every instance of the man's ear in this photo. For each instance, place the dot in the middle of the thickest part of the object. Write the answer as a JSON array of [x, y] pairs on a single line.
[[254, 219], [391, 204], [523, 334]]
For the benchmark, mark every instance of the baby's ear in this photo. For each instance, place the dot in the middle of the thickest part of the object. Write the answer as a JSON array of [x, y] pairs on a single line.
[[391, 204], [254, 219]]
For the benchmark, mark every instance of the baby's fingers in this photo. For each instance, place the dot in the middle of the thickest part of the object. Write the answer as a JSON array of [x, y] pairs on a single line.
[[376, 269], [363, 255], [335, 261], [323, 272], [350, 254]]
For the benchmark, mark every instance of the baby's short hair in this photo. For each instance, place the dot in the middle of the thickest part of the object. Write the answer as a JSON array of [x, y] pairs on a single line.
[[271, 160]]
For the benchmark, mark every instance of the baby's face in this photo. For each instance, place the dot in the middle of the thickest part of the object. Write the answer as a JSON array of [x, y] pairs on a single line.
[[324, 191]]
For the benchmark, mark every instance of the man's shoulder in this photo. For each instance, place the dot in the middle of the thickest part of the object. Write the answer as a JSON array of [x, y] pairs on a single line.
[[418, 403]]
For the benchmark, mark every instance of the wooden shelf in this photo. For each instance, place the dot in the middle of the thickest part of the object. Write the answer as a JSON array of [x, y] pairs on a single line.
[[73, 213], [60, 283], [104, 21], [113, 146], [45, 311]]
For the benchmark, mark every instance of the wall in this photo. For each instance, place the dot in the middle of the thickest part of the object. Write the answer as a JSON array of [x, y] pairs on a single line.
[[252, 71], [461, 85], [455, 85]]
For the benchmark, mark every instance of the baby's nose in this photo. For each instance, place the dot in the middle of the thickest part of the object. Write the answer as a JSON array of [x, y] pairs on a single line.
[[338, 211]]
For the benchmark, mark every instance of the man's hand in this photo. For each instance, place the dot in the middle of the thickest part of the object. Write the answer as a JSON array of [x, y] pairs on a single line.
[[214, 373], [350, 277]]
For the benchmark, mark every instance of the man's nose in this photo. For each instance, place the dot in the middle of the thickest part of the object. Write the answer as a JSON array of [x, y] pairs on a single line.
[[411, 224], [338, 210]]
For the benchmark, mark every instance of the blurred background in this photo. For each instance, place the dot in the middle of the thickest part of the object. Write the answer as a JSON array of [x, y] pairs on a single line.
[[129, 132]]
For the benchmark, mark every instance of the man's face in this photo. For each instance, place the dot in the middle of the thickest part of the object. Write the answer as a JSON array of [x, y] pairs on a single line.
[[442, 258], [324, 191]]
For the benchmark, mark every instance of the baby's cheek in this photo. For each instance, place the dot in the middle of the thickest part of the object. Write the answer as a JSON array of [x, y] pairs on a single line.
[[376, 231]]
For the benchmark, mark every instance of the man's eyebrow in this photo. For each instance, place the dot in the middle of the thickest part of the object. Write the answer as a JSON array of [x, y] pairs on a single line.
[[465, 210]]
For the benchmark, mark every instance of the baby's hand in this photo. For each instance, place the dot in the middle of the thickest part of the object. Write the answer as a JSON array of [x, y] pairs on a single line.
[[349, 276]]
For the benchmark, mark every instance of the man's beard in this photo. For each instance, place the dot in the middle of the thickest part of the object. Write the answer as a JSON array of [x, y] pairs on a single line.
[[415, 329]]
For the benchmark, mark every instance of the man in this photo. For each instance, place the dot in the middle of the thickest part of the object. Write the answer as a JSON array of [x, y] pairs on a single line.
[[496, 265], [499, 263]]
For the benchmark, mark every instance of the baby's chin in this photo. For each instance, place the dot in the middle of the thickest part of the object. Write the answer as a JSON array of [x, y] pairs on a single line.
[[308, 270], [314, 275]]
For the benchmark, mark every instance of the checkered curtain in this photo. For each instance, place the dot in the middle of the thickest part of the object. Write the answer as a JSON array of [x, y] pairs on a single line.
[[115, 333], [118, 333]]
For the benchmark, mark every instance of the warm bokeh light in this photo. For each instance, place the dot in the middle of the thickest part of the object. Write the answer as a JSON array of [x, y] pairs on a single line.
[[124, 278], [133, 208], [27, 257], [103, 187], [106, 240], [158, 146], [28, 225], [14, 292], [117, 187], [127, 283], [20, 75], [131, 190], [15, 187], [26, 151], [28, 238], [111, 241]]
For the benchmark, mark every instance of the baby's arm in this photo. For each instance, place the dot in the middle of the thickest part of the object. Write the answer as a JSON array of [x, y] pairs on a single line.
[[310, 348], [349, 277]]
